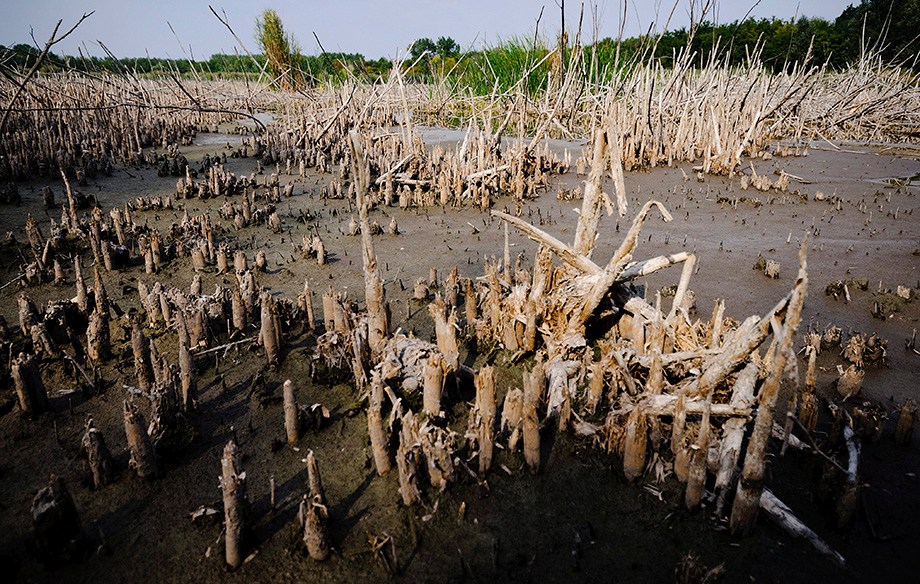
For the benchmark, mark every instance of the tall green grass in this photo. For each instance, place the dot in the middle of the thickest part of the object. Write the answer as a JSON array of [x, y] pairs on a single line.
[[501, 67]]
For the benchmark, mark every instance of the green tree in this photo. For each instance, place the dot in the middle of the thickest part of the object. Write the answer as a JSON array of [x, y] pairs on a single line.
[[281, 51], [447, 48], [420, 47]]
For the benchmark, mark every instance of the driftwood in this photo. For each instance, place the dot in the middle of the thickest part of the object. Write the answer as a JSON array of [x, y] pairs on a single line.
[[777, 512]]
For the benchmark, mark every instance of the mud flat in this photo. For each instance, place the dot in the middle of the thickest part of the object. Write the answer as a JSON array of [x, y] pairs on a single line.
[[577, 518]]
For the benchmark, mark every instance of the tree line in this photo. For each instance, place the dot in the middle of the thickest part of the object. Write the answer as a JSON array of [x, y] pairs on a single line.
[[891, 27]]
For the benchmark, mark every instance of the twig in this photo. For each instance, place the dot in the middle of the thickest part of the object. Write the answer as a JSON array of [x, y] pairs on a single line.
[[227, 346], [38, 63], [13, 281], [79, 368]]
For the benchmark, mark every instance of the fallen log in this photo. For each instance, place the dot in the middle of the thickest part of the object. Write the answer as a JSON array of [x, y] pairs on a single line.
[[778, 513]]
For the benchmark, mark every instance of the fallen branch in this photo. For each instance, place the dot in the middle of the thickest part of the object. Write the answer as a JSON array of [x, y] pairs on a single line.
[[777, 512], [227, 346]]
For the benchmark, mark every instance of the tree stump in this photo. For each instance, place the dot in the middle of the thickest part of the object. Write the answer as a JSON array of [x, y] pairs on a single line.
[[907, 419], [485, 412], [291, 413], [530, 423], [33, 397], [375, 426], [233, 484], [58, 533], [143, 458], [315, 514], [98, 462]]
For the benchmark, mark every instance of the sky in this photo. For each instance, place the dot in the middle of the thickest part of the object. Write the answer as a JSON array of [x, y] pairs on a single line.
[[374, 28]]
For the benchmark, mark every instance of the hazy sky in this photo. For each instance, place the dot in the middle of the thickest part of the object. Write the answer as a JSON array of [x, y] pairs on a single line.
[[375, 28]]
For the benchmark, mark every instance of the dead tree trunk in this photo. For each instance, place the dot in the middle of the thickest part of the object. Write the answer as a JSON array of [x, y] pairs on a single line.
[[143, 459], [433, 384], [143, 368], [233, 483], [747, 496], [407, 460], [188, 376], [315, 515], [809, 410], [291, 413], [99, 464], [98, 346], [445, 327], [849, 499], [82, 296], [485, 412], [269, 334], [374, 295], [531, 424], [733, 434], [696, 481], [907, 419], [635, 445], [56, 521], [589, 217], [375, 426], [470, 302], [329, 310], [33, 397]]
